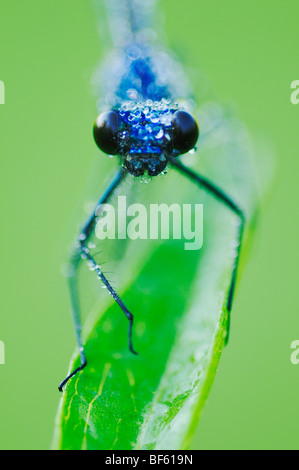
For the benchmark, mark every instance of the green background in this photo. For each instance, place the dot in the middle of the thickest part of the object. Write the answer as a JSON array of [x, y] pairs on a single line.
[[249, 51]]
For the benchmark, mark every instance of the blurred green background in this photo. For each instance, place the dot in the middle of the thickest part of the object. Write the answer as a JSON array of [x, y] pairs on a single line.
[[249, 51]]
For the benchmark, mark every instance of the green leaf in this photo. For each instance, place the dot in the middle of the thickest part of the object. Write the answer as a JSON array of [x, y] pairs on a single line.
[[178, 297]]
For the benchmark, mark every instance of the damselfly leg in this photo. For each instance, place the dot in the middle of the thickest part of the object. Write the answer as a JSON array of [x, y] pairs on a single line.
[[82, 252], [229, 203]]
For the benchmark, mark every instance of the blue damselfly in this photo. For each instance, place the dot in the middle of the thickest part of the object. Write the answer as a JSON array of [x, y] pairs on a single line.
[[146, 121]]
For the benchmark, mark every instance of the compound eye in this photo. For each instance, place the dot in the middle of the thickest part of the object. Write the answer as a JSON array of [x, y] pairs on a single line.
[[105, 132], [185, 132]]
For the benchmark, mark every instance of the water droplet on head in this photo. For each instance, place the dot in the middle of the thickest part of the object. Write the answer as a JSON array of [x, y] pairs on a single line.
[[159, 134]]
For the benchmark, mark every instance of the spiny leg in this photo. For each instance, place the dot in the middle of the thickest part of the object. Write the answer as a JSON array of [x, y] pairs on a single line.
[[73, 290], [228, 202], [82, 252], [92, 263]]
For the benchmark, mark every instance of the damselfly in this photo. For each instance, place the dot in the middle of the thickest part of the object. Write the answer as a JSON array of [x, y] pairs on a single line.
[[148, 126]]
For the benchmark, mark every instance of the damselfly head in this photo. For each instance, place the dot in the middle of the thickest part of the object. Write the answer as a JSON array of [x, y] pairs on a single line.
[[146, 135]]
